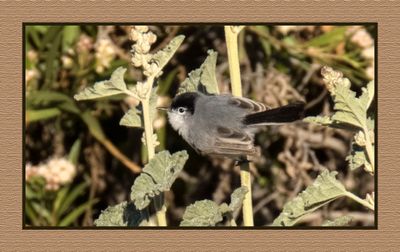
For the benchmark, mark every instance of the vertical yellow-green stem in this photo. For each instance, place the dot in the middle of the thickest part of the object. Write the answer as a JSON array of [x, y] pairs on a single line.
[[233, 58], [231, 36], [148, 129]]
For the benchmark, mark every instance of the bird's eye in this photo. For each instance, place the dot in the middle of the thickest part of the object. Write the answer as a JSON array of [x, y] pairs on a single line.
[[181, 110]]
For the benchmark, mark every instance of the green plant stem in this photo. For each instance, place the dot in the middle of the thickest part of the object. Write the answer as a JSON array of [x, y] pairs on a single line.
[[231, 35], [233, 58], [359, 200], [148, 130]]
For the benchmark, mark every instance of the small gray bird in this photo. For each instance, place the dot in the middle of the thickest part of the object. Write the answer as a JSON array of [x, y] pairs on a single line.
[[224, 125]]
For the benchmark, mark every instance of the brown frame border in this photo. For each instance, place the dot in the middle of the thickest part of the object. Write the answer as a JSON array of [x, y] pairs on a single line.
[[14, 13]]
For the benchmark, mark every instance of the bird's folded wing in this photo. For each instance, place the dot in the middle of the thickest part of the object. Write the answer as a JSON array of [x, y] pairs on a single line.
[[231, 142], [250, 105]]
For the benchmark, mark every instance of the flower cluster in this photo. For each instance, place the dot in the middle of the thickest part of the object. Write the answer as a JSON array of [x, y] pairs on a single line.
[[333, 78], [140, 49], [56, 172], [105, 53]]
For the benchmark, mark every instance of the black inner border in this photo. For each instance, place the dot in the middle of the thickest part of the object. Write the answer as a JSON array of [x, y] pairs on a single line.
[[375, 227]]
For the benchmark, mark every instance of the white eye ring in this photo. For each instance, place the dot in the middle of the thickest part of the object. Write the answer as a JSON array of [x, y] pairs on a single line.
[[181, 110]]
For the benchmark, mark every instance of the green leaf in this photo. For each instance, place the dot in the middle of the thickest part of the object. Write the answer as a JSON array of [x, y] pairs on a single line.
[[133, 118], [41, 114], [157, 176], [324, 189], [357, 157], [73, 155], [367, 94], [237, 198], [71, 197], [350, 111], [61, 194], [51, 99], [208, 213], [30, 213], [114, 86], [338, 222], [202, 213], [162, 57], [202, 79], [52, 56], [328, 39], [208, 77], [78, 211], [41, 211], [70, 35], [122, 215], [93, 125], [192, 82]]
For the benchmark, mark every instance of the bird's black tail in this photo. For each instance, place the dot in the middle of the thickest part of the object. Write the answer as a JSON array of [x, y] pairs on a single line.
[[284, 114]]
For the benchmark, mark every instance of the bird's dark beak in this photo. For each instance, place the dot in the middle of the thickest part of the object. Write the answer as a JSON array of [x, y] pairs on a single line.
[[163, 108]]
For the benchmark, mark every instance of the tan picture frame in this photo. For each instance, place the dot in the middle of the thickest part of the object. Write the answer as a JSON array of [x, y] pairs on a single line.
[[14, 13]]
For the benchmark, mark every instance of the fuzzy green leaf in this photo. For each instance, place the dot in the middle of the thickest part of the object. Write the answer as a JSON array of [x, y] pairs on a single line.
[[192, 82], [157, 176], [237, 198], [133, 118], [202, 79], [324, 189], [122, 215], [163, 56], [115, 85], [349, 110], [202, 213], [338, 222], [208, 77], [208, 213], [357, 157]]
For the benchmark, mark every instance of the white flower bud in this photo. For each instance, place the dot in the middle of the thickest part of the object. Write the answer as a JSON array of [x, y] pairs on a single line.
[[145, 47], [135, 35], [150, 37], [32, 56], [141, 28], [67, 62], [137, 60]]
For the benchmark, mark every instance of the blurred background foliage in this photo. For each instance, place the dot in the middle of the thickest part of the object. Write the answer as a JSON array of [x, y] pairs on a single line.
[[79, 160]]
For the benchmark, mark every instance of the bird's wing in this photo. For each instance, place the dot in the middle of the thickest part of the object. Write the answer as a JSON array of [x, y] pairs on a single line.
[[232, 142], [247, 104]]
